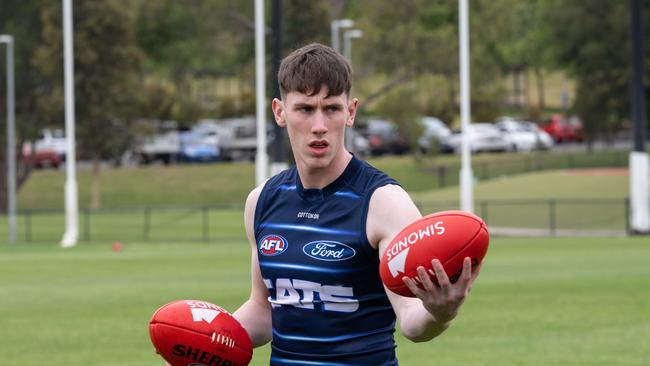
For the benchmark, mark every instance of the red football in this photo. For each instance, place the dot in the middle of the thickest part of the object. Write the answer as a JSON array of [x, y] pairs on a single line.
[[449, 236], [192, 332]]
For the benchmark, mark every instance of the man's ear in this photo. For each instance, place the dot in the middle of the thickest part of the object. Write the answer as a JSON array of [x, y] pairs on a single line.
[[279, 112], [352, 111]]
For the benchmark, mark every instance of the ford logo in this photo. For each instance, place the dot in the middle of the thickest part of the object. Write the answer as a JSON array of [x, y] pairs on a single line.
[[325, 250]]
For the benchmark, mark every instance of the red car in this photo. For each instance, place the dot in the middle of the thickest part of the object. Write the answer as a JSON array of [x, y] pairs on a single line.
[[44, 158], [563, 129]]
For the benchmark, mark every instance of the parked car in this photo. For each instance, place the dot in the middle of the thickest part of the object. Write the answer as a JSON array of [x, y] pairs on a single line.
[[51, 139], [434, 132], [195, 149], [524, 135], [159, 142], [45, 157], [361, 145], [483, 137], [564, 129], [238, 138], [210, 132], [384, 137]]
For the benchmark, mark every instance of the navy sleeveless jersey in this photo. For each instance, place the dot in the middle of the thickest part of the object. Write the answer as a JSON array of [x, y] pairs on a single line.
[[329, 306]]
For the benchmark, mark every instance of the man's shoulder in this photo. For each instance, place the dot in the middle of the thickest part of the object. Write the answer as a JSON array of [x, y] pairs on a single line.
[[390, 209], [390, 192], [253, 197], [390, 200]]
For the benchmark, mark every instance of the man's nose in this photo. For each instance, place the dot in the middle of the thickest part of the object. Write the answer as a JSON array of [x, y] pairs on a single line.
[[318, 126]]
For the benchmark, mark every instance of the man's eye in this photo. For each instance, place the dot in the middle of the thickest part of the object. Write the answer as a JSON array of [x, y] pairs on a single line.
[[332, 108], [306, 109]]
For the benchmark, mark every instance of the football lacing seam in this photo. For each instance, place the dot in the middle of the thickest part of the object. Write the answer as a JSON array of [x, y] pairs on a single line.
[[223, 340]]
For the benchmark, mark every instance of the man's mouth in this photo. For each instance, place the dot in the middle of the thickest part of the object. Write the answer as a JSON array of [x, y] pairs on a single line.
[[319, 148], [318, 144]]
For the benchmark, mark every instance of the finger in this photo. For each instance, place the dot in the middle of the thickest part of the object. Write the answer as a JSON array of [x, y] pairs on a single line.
[[415, 290], [441, 275], [428, 284], [466, 274]]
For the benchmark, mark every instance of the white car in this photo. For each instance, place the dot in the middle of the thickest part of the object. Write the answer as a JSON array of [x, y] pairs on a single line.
[[52, 139], [434, 130], [484, 137], [524, 135], [209, 131]]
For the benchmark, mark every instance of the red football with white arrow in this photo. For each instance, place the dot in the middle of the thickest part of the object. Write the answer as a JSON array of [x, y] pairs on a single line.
[[449, 236], [193, 332]]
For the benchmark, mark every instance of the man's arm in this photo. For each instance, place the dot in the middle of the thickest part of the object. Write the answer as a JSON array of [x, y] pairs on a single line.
[[255, 314], [426, 316]]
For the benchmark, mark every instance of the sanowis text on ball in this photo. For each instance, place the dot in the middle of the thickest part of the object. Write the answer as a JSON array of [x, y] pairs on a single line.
[[413, 237]]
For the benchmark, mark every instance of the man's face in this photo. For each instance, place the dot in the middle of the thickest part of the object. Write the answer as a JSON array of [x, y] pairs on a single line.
[[316, 125]]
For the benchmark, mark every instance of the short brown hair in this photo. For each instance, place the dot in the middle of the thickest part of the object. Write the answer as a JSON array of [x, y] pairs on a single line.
[[308, 68]]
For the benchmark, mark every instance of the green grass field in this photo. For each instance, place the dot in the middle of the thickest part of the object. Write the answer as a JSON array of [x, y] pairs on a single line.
[[582, 201], [544, 301], [537, 302], [228, 184], [499, 201]]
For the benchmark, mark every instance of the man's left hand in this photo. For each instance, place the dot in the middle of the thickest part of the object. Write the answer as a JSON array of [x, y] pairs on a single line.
[[443, 300]]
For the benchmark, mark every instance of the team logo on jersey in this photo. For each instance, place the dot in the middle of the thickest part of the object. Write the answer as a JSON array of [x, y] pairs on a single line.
[[271, 245], [326, 250], [311, 295]]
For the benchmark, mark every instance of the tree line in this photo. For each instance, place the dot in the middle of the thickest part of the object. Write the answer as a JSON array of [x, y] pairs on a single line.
[[186, 60]]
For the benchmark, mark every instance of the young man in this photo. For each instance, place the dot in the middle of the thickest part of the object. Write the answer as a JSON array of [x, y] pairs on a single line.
[[318, 229]]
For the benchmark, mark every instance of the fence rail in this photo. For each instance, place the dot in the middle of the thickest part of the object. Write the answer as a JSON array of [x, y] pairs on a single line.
[[548, 217], [448, 174], [513, 217]]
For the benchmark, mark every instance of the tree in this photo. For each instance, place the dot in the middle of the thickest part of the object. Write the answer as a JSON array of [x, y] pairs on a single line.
[[419, 40], [21, 20], [512, 36], [401, 45], [305, 22], [592, 41], [186, 43], [107, 76]]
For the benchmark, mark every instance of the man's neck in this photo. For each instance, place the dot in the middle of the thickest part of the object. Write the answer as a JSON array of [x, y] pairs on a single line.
[[319, 178]]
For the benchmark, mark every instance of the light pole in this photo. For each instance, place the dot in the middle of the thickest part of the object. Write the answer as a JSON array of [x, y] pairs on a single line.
[[347, 52], [347, 42], [335, 26], [261, 157], [466, 174], [71, 199], [11, 139]]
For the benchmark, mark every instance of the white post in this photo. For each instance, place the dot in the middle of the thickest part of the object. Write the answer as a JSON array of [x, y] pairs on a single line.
[[261, 158], [11, 139], [466, 174], [71, 234], [335, 26], [347, 53], [639, 192]]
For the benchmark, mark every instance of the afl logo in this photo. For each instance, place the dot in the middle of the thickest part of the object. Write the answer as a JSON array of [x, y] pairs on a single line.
[[273, 245], [326, 250]]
